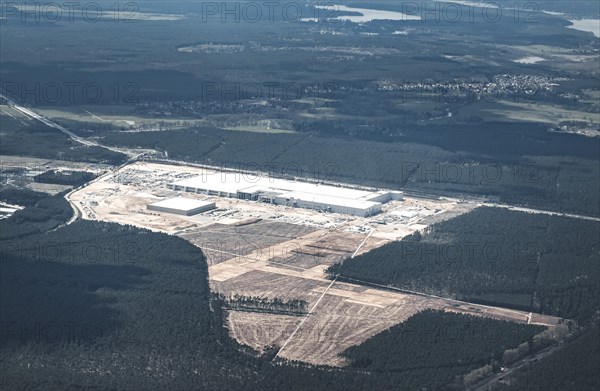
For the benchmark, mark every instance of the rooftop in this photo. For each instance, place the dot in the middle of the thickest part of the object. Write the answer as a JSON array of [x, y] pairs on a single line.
[[182, 203], [331, 200], [232, 182]]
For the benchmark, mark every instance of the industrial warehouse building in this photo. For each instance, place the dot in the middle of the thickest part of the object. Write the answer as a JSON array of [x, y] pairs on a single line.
[[181, 206], [326, 198]]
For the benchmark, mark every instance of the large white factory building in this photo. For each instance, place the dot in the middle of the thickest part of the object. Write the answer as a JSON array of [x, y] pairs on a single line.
[[287, 192], [181, 206]]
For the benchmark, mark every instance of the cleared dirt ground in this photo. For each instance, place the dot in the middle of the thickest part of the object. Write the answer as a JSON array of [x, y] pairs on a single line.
[[270, 251]]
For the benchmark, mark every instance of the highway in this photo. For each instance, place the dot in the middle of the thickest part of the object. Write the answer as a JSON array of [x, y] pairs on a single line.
[[29, 113]]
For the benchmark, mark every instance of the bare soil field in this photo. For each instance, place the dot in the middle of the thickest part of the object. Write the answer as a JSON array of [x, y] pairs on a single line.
[[221, 242], [271, 251]]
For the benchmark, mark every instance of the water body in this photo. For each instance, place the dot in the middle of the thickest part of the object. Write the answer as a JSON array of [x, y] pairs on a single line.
[[367, 15], [589, 25]]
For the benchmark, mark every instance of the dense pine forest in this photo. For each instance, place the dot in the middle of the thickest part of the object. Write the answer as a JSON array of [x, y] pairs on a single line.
[[436, 349], [120, 307], [44, 213], [71, 178], [534, 262], [574, 367], [24, 197], [51, 144]]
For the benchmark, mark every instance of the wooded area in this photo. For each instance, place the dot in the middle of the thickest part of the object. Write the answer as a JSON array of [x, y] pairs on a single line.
[[16, 139], [410, 163], [71, 178], [43, 214], [435, 349], [573, 368], [123, 307], [532, 262]]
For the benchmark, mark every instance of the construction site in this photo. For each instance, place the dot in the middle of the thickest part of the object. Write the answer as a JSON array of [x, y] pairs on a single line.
[[281, 250], [321, 197]]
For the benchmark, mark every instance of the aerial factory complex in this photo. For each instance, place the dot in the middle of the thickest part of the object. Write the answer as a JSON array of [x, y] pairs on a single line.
[[277, 191]]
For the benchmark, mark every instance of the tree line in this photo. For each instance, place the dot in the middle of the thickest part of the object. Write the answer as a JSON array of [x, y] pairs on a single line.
[[263, 304], [526, 261]]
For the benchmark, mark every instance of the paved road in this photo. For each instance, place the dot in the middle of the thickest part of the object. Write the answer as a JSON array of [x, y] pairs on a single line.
[[131, 153]]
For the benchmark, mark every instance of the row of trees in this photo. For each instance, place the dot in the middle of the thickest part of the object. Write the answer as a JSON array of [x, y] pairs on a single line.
[[263, 304]]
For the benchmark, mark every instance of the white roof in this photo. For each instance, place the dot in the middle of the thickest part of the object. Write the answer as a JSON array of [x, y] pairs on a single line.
[[232, 182], [254, 189], [182, 203], [331, 200], [212, 182]]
